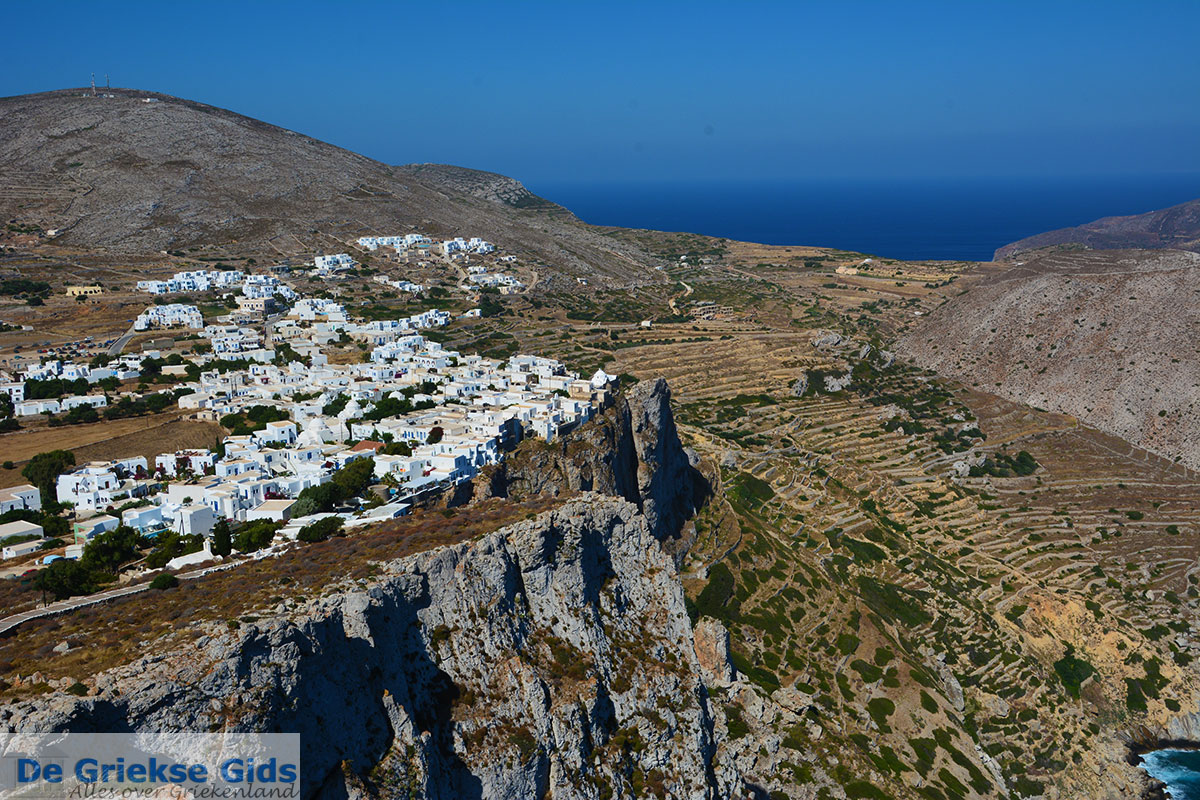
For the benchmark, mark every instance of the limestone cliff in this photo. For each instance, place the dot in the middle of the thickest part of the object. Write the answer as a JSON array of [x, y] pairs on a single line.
[[553, 657]]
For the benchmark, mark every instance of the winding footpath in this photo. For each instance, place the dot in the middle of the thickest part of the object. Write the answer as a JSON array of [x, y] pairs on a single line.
[[9, 623]]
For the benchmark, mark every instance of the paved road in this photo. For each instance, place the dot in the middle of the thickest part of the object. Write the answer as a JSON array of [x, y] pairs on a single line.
[[62, 606], [119, 344]]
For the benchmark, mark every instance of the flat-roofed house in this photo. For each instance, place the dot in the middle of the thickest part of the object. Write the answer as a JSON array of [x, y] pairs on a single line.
[[23, 496]]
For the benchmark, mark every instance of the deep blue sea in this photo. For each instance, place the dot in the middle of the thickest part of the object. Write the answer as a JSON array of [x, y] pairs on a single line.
[[907, 219], [1178, 769]]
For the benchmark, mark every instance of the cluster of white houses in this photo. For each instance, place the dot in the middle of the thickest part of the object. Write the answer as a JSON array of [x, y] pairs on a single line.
[[429, 417], [266, 287], [170, 315], [398, 242], [481, 277], [123, 368], [336, 261], [253, 286], [472, 245], [194, 281], [471, 410], [419, 240], [402, 285]]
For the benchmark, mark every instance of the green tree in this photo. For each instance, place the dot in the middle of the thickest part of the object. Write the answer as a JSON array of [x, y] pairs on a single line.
[[222, 538], [355, 477], [316, 499], [171, 545], [43, 470], [255, 535], [396, 449], [64, 578], [321, 530], [107, 551], [435, 435]]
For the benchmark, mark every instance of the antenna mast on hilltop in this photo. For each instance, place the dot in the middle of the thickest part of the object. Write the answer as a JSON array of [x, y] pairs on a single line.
[[93, 84], [106, 86]]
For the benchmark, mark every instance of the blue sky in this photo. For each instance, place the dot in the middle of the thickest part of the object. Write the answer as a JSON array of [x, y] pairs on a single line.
[[573, 91]]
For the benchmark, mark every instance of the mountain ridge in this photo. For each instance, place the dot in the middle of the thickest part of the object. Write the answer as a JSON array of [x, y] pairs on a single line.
[[133, 171], [1174, 228]]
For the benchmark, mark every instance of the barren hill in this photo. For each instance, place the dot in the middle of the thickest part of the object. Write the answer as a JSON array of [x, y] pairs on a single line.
[[135, 171], [1108, 337], [1177, 227]]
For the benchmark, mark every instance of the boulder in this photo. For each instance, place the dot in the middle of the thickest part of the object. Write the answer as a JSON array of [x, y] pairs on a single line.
[[711, 641]]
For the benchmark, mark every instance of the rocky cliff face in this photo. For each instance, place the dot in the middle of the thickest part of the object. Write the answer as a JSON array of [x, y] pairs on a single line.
[[551, 658], [633, 451]]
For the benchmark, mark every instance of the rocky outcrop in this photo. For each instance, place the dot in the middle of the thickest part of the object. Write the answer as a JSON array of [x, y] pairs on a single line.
[[553, 657], [826, 339], [837, 383], [713, 655], [632, 451]]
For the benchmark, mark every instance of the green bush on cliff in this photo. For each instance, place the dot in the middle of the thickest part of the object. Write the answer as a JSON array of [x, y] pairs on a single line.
[[1073, 671]]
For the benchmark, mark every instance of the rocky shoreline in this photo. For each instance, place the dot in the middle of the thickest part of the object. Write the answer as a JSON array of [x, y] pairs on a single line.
[[1156, 789]]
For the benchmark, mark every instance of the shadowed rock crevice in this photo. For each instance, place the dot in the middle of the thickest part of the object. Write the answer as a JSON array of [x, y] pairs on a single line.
[[631, 451]]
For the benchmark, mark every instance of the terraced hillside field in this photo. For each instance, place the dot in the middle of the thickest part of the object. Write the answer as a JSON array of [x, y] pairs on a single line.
[[934, 592], [947, 636]]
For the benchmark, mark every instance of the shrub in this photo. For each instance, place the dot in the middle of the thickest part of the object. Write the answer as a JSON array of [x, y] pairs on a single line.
[[880, 708], [864, 551], [869, 672], [164, 581], [861, 790], [737, 726], [255, 535], [894, 603], [1135, 698], [750, 491]]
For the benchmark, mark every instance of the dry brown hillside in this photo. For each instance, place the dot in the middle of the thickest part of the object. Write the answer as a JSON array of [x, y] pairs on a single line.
[[134, 171], [1108, 337]]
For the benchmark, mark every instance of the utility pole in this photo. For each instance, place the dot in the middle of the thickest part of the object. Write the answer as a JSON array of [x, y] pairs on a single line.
[[106, 86], [93, 84]]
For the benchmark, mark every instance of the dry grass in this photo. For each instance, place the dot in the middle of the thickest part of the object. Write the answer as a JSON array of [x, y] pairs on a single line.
[[136, 436], [118, 632]]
